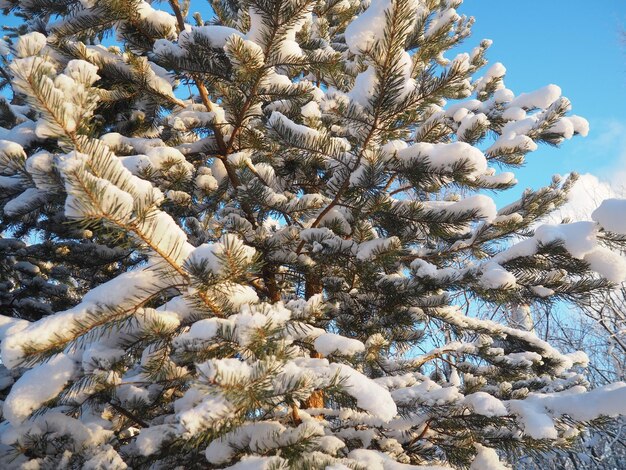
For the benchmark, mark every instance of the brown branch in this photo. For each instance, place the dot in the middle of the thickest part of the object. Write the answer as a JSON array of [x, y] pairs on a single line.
[[295, 414], [269, 277], [316, 399], [390, 182], [400, 190], [83, 329], [313, 287], [423, 433], [370, 135], [344, 185], [179, 15], [219, 137], [130, 228], [204, 94], [129, 415], [146, 240]]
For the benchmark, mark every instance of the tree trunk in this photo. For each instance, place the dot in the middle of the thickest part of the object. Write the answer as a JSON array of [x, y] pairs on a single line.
[[313, 287]]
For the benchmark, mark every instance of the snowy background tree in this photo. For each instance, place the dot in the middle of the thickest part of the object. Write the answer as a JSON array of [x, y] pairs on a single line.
[[259, 240], [597, 326]]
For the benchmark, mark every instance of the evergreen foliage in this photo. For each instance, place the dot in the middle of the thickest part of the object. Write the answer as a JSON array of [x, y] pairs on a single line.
[[258, 241]]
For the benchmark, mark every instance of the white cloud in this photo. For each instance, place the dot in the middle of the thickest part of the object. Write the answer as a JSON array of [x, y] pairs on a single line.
[[586, 194], [606, 147]]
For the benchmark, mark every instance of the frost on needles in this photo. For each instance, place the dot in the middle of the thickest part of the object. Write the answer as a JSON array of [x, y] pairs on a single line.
[[256, 240]]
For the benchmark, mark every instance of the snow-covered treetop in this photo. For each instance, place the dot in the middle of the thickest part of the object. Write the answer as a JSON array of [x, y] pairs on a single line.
[[288, 205]]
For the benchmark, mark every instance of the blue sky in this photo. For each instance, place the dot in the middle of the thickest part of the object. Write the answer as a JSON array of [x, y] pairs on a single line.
[[578, 45]]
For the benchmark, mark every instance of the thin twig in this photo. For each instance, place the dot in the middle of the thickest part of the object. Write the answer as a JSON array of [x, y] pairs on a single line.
[[129, 415]]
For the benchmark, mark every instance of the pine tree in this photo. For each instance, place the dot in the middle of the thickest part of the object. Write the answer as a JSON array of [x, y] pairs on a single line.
[[258, 241]]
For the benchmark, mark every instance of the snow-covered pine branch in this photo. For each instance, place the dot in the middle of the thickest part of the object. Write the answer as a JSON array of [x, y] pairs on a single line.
[[254, 242]]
